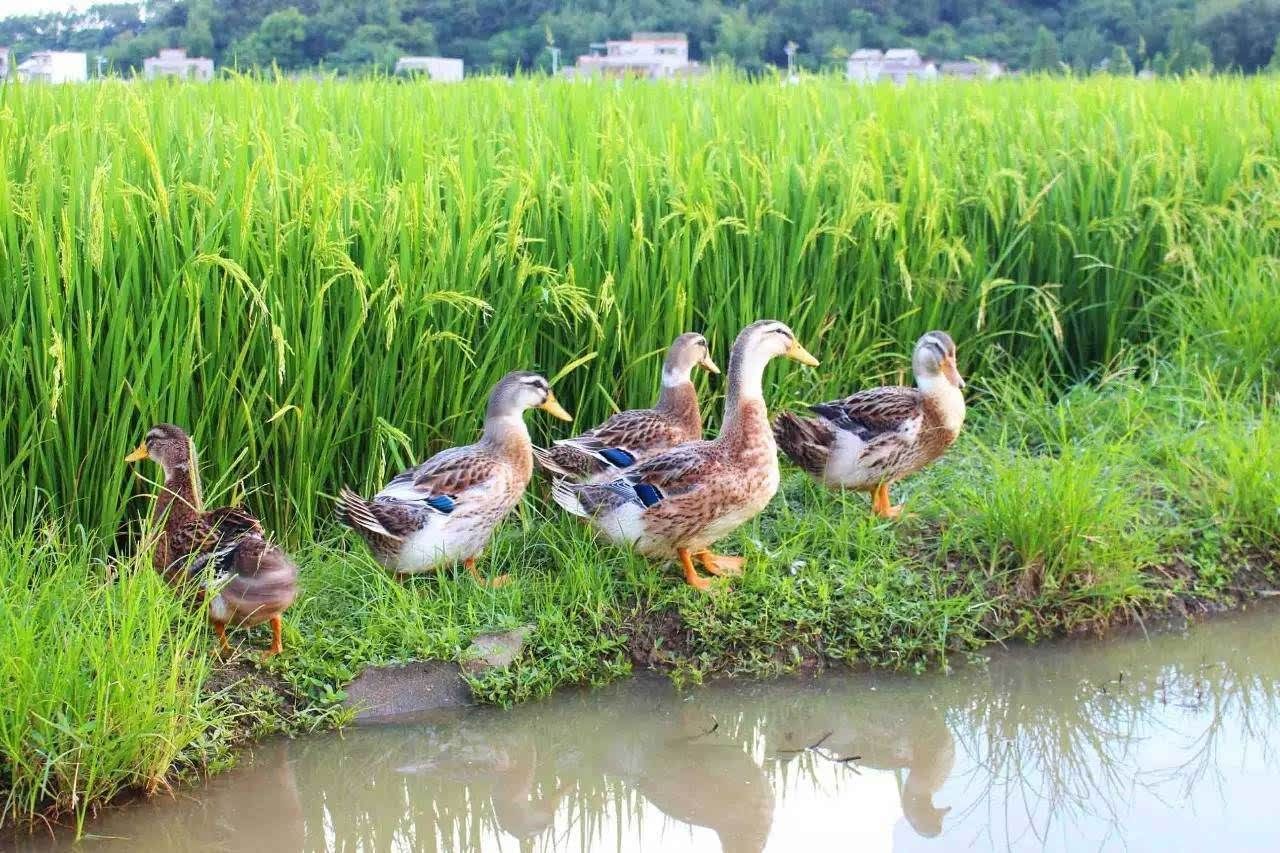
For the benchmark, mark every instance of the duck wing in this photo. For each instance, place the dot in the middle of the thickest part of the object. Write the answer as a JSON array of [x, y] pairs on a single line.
[[437, 483], [210, 540], [875, 411], [679, 471], [615, 444]]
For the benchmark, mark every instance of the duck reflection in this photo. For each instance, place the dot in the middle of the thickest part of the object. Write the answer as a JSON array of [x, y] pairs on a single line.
[[1046, 740], [678, 765]]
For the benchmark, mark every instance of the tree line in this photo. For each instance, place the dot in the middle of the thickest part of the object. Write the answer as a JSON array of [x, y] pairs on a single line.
[[357, 36]]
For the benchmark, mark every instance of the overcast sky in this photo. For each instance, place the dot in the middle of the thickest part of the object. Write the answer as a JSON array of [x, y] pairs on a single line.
[[28, 7]]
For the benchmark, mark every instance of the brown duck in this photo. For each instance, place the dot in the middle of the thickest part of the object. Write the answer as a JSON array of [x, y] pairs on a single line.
[[224, 552], [446, 510], [680, 502], [876, 437], [636, 435]]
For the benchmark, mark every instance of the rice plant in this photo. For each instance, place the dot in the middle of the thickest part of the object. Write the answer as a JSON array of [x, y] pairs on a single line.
[[322, 278]]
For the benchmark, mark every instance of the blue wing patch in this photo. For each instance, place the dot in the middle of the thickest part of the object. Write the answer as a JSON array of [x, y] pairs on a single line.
[[441, 503], [648, 495], [617, 457]]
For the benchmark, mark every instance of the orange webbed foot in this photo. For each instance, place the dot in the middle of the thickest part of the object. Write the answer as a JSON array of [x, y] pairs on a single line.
[[691, 575], [497, 583], [721, 565]]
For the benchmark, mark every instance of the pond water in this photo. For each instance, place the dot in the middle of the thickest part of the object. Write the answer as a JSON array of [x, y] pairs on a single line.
[[1134, 743]]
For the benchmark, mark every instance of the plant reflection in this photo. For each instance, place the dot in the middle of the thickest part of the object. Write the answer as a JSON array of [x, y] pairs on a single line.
[[1045, 741]]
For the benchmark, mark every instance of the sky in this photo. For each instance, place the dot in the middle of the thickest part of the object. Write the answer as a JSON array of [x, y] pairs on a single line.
[[31, 7]]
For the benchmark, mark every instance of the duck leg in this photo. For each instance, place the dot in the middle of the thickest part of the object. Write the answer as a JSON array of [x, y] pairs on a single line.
[[880, 503], [720, 565], [691, 575], [496, 583], [224, 649], [276, 645]]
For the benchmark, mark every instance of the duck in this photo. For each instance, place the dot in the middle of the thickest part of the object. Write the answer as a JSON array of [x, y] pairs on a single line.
[[876, 437], [678, 503], [245, 578], [446, 509], [638, 434]]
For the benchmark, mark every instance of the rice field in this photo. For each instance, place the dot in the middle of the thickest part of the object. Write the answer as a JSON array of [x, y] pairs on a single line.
[[322, 279]]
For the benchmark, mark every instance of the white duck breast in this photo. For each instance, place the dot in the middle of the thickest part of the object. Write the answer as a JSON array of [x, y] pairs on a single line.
[[858, 463], [450, 537]]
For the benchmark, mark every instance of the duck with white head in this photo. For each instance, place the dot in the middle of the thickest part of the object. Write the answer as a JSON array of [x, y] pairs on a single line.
[[872, 439]]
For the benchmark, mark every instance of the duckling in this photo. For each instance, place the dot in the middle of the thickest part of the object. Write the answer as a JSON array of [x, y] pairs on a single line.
[[633, 436], [446, 509], [252, 581], [680, 502], [876, 437]]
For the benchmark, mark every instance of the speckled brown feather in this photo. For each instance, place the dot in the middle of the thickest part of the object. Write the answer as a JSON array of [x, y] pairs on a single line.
[[877, 416], [874, 411], [643, 433], [806, 441], [259, 579], [457, 469]]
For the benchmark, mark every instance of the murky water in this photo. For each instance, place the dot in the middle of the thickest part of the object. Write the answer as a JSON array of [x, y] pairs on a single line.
[[1168, 742]]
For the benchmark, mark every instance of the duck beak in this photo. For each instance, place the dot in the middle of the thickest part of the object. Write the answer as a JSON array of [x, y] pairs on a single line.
[[553, 408], [138, 454], [953, 375], [802, 355], [708, 365]]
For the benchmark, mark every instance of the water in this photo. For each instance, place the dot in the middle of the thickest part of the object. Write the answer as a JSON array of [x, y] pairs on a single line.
[[1133, 743]]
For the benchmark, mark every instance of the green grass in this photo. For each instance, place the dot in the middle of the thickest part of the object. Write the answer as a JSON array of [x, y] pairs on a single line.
[[102, 671], [321, 280]]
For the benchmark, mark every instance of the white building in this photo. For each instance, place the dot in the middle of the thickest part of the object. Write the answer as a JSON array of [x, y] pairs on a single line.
[[54, 66], [897, 65], [438, 68], [174, 62], [981, 69], [649, 55]]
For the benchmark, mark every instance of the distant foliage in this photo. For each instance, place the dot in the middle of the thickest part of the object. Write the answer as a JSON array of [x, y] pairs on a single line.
[[363, 36]]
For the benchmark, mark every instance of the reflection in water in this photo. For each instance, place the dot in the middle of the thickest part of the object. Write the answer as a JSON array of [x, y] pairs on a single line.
[[1098, 745]]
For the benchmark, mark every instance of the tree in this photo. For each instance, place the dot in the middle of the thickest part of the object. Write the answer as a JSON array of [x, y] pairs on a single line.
[[1185, 54], [1119, 63], [1044, 53], [1274, 65], [1084, 49], [1241, 34], [197, 38], [279, 39], [358, 35], [739, 39]]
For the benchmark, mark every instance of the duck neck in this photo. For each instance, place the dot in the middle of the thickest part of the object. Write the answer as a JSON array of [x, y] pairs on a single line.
[[945, 399], [679, 401], [180, 498], [746, 418], [506, 434]]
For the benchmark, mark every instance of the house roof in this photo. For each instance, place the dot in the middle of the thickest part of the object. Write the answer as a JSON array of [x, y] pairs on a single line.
[[645, 36]]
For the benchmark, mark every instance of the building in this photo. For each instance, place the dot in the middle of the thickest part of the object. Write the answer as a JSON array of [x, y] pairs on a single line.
[[897, 65], [54, 66], [174, 62], [981, 69], [438, 68], [647, 55]]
